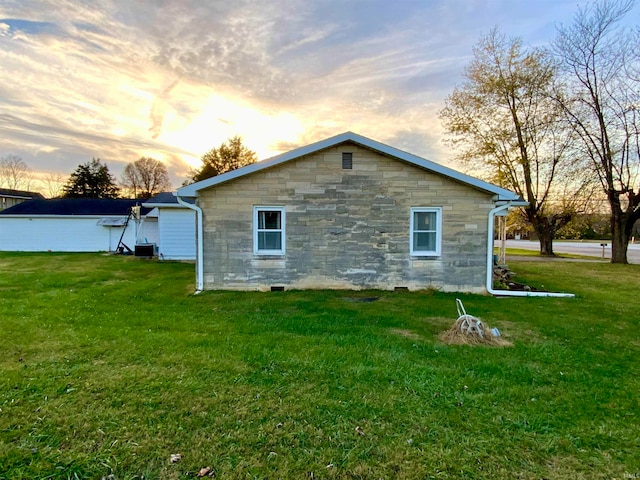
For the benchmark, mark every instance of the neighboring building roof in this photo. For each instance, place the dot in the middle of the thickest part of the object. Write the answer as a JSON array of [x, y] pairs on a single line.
[[9, 193], [501, 193], [166, 200], [74, 206]]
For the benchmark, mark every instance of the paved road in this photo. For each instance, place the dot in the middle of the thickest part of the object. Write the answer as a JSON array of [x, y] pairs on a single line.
[[579, 248]]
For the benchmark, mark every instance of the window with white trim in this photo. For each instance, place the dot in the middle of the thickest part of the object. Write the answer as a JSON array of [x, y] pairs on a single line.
[[426, 231], [268, 230]]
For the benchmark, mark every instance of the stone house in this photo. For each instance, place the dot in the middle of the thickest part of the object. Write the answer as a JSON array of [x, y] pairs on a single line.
[[346, 212]]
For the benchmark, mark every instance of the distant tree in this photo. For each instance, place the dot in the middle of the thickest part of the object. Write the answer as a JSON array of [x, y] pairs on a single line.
[[587, 226], [509, 130], [15, 173], [92, 180], [601, 67], [53, 184], [230, 155], [145, 178]]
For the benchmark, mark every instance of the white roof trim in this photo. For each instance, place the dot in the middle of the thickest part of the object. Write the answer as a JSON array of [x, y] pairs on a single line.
[[501, 193]]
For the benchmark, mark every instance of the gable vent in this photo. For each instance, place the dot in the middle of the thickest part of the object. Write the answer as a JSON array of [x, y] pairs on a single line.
[[347, 161]]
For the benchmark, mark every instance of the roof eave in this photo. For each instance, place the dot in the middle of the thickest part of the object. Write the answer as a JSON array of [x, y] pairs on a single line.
[[163, 205]]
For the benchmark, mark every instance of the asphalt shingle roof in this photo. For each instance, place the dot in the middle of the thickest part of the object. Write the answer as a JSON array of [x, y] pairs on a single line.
[[165, 198], [75, 206]]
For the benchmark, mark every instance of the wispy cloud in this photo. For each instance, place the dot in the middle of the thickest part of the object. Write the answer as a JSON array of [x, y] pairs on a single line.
[[158, 108]]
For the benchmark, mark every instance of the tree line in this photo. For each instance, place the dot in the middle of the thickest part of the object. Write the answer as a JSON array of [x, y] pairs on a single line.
[[143, 178], [559, 126]]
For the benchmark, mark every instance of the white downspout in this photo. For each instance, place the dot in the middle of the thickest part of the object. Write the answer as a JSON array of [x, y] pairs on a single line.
[[199, 245], [508, 293]]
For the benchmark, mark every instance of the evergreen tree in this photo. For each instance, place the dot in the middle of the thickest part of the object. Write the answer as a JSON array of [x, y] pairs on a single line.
[[91, 180]]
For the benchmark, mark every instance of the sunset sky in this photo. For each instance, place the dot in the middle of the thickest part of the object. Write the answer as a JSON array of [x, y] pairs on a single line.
[[169, 79]]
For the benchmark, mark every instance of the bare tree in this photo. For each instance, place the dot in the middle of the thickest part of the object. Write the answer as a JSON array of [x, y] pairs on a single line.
[[508, 129], [53, 184], [601, 65], [15, 173], [145, 177]]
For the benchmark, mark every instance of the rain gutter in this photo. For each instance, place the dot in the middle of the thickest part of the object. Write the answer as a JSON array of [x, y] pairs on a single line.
[[508, 293], [199, 245]]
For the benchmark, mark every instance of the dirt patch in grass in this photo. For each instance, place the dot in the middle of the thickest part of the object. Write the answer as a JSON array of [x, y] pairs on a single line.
[[515, 330], [406, 333], [440, 322], [360, 299]]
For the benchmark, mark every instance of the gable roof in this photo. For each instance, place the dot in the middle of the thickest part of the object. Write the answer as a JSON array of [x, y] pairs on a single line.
[[500, 193], [74, 206], [9, 193]]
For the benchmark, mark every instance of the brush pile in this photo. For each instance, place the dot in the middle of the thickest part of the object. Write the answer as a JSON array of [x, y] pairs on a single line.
[[470, 330]]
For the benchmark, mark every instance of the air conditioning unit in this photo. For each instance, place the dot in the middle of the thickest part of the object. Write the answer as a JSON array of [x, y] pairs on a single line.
[[145, 250]]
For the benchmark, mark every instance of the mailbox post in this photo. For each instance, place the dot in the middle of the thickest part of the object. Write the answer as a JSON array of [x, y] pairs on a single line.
[[603, 245]]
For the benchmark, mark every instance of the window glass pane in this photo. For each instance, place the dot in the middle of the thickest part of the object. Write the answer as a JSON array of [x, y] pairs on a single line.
[[424, 241], [269, 241], [424, 221], [268, 220]]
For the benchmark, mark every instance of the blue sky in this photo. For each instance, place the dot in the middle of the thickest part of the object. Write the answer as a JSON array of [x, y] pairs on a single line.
[[172, 79]]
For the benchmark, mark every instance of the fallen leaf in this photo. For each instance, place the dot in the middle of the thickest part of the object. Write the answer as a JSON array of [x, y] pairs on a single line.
[[176, 457]]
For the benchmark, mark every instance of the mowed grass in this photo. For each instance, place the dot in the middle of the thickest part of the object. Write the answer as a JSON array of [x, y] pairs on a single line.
[[109, 365]]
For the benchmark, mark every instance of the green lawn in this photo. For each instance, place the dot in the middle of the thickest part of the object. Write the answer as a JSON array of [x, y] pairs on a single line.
[[109, 365]]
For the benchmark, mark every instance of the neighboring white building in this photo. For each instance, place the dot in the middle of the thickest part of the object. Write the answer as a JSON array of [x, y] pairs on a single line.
[[9, 197], [176, 224], [69, 225]]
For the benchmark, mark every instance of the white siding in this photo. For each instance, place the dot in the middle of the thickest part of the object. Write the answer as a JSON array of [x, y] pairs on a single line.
[[61, 234], [177, 227]]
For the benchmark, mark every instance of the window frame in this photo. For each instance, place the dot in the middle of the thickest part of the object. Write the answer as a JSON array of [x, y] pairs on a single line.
[[266, 252], [438, 232]]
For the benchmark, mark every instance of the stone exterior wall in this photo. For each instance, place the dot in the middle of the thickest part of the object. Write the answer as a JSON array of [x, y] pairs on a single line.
[[344, 228]]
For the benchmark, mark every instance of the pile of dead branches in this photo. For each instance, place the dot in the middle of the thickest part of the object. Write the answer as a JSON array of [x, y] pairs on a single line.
[[470, 330]]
